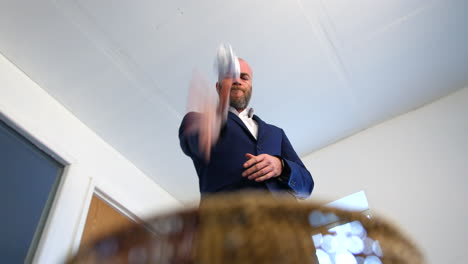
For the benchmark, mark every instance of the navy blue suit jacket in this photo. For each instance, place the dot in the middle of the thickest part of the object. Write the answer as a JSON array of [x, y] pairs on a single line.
[[223, 171]]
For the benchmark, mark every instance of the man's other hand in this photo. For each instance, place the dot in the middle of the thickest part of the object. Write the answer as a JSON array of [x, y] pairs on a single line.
[[262, 167]]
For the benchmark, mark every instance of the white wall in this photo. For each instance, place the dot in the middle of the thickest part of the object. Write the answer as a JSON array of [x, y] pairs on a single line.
[[92, 163], [414, 170]]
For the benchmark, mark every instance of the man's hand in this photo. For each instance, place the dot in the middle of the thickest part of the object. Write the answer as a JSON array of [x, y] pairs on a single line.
[[262, 167]]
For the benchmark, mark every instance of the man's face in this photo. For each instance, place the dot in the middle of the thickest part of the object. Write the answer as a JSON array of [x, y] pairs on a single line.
[[241, 89]]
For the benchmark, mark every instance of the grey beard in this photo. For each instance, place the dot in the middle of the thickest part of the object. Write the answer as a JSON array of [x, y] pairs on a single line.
[[240, 103]]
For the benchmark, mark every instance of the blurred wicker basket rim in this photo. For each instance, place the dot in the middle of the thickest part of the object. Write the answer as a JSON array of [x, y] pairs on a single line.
[[253, 227]]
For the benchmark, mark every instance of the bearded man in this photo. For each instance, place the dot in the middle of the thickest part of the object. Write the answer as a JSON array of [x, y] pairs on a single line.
[[235, 150]]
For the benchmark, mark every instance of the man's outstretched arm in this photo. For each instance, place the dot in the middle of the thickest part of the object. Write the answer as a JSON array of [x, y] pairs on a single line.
[[198, 132]]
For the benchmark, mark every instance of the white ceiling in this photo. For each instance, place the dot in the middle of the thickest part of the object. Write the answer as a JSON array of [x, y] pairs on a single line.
[[324, 69]]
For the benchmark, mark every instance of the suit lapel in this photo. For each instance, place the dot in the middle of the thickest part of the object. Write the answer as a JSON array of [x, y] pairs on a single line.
[[261, 127], [236, 119]]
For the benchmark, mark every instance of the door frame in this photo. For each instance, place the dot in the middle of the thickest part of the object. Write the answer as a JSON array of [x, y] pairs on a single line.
[[95, 190]]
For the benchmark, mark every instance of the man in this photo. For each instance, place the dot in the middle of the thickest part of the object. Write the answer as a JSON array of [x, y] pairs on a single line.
[[240, 151]]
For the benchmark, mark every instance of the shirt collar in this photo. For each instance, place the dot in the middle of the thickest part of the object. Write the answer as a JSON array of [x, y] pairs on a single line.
[[248, 112]]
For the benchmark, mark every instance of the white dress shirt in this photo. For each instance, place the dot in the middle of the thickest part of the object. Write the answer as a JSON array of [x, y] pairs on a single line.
[[246, 117]]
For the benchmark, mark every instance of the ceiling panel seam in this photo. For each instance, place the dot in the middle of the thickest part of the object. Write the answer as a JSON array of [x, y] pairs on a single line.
[[77, 16], [324, 35], [399, 21]]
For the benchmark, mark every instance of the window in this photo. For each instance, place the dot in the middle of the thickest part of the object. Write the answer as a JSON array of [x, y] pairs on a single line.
[[29, 180]]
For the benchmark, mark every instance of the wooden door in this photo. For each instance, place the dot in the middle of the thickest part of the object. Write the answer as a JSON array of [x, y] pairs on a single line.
[[102, 220]]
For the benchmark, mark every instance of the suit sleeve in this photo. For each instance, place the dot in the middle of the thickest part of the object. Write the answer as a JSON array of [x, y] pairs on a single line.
[[295, 174], [187, 137]]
